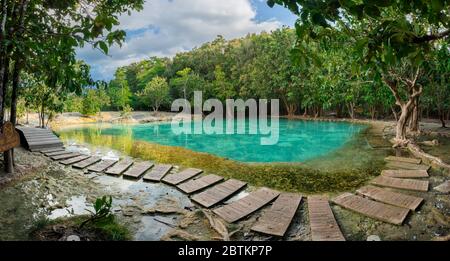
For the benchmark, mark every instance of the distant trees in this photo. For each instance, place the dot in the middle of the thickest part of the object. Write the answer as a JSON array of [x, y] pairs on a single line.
[[156, 93]]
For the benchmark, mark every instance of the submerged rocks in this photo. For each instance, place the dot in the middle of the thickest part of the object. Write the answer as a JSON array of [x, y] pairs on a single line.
[[73, 238], [373, 238]]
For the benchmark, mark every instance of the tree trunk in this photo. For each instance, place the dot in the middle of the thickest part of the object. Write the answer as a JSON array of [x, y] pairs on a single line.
[[351, 109], [394, 112], [442, 118], [400, 137], [15, 89], [414, 123]]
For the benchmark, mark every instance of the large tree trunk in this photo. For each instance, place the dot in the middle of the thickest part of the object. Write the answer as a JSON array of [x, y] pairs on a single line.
[[15, 89], [442, 118], [414, 123]]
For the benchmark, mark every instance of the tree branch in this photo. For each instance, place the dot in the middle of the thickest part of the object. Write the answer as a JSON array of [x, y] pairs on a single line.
[[432, 37]]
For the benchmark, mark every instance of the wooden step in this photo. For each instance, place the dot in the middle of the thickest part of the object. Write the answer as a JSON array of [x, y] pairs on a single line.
[[405, 173], [321, 218], [244, 207], [278, 218], [403, 159], [119, 168], [380, 211], [57, 153], [74, 160], [178, 178], [407, 166], [52, 150], [199, 184], [66, 156], [102, 166], [390, 197], [219, 193], [406, 184], [86, 163], [138, 169], [158, 173]]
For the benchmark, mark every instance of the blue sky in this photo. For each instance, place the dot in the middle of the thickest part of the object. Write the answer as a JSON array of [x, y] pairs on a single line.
[[166, 27]]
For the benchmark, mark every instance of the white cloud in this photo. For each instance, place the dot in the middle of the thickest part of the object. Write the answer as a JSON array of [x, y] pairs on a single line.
[[166, 27]]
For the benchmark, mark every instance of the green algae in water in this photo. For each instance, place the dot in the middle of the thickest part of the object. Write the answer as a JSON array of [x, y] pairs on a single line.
[[344, 169]]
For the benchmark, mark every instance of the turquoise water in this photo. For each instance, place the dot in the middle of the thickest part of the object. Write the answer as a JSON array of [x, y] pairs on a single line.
[[299, 141]]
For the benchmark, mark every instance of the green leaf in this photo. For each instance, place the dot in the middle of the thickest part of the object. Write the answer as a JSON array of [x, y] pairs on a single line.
[[104, 47], [372, 11]]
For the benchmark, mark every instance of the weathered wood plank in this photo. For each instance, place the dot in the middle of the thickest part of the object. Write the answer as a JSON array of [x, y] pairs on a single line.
[[86, 163], [405, 173], [158, 173], [406, 184], [390, 197], [242, 208], [387, 213], [66, 156], [119, 168], [403, 159], [277, 220], [74, 160], [57, 153], [324, 226], [443, 188], [52, 150], [102, 166], [407, 166], [138, 169], [177, 178], [218, 193], [199, 184]]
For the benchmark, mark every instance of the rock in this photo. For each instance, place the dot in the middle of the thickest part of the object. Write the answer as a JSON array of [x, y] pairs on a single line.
[[73, 238], [373, 238], [443, 188], [432, 143]]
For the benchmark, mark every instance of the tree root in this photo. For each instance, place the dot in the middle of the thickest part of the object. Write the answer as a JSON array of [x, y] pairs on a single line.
[[427, 158]]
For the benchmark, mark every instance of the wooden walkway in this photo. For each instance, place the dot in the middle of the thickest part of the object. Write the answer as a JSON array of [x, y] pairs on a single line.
[[119, 168], [52, 150], [199, 184], [387, 213], [278, 218], [158, 173], [406, 184], [405, 173], [178, 178], [66, 156], [102, 166], [86, 163], [36, 139], [218, 193], [57, 153], [321, 218], [138, 169], [407, 166], [402, 159], [243, 207], [74, 160], [392, 198]]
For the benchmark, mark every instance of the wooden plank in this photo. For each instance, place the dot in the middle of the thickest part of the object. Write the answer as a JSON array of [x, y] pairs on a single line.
[[138, 169], [101, 166], [242, 208], [178, 178], [387, 213], [199, 184], [218, 193], [57, 153], [66, 156], [443, 188], [324, 226], [158, 173], [406, 184], [52, 150], [390, 197], [119, 168], [74, 160], [86, 163], [403, 159], [277, 220], [407, 166], [405, 173]]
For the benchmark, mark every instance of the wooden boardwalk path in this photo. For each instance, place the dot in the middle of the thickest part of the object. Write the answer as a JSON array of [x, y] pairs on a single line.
[[119, 168], [102, 166], [178, 178], [74, 160], [387, 213], [407, 166], [405, 173], [241, 208], [158, 173], [57, 153], [277, 220], [392, 198], [218, 193], [199, 184], [321, 218], [66, 156], [138, 169], [406, 184], [36, 139], [402, 159], [52, 150], [86, 163]]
